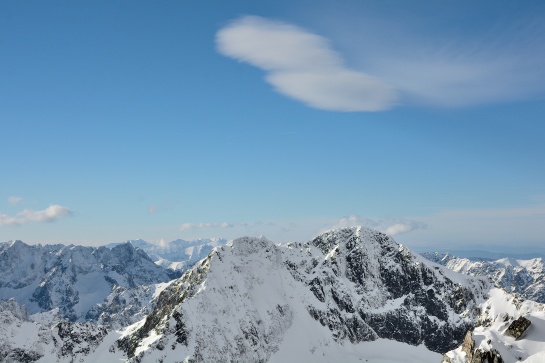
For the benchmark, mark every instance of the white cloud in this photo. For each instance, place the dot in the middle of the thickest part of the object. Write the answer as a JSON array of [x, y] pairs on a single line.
[[398, 228], [190, 226], [162, 243], [401, 66], [14, 200], [50, 214], [390, 226], [461, 79], [303, 66], [152, 208]]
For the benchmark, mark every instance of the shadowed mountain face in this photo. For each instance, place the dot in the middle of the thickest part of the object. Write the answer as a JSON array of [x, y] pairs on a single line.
[[72, 278]]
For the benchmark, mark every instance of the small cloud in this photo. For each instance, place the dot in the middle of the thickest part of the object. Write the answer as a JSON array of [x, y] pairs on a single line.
[[398, 228], [390, 226], [152, 208], [190, 226], [302, 65], [13, 200], [50, 214], [162, 243]]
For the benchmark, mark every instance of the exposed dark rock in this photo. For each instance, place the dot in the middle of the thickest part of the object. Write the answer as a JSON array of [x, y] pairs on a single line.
[[517, 328]]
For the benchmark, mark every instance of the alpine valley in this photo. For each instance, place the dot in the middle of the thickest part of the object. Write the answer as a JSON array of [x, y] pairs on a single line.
[[349, 295]]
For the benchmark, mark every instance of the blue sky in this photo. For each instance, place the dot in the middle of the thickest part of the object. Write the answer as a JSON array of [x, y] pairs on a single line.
[[192, 119]]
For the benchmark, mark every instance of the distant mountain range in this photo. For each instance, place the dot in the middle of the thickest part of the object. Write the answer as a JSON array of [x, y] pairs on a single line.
[[73, 279], [488, 255], [178, 254], [524, 277]]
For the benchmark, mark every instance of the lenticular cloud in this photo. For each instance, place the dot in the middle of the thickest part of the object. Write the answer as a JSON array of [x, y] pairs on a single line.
[[302, 65]]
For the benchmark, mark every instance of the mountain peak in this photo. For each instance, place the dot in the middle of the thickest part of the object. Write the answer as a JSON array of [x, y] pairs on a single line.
[[249, 245]]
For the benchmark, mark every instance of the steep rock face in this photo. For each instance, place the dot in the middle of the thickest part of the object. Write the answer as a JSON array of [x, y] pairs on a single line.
[[524, 277], [71, 278], [350, 285], [393, 291]]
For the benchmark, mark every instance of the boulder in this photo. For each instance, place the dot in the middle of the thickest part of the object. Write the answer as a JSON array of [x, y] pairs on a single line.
[[518, 327]]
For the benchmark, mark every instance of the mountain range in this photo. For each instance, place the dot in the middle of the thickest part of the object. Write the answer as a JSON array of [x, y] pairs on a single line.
[[178, 254], [349, 295], [73, 279], [523, 277]]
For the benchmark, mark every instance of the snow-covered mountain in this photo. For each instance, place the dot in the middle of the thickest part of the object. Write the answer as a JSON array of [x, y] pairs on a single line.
[[324, 300], [178, 254], [349, 295], [524, 277], [73, 279]]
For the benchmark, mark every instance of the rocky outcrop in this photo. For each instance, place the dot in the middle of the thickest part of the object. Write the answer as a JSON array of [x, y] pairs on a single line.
[[517, 328], [472, 355]]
